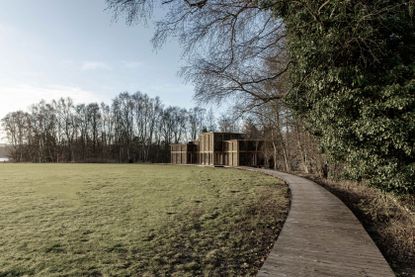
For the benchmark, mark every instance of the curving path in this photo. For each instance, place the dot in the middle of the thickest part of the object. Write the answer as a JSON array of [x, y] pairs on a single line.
[[321, 237]]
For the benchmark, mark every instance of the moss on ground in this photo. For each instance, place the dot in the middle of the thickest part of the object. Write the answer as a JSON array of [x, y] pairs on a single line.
[[139, 220]]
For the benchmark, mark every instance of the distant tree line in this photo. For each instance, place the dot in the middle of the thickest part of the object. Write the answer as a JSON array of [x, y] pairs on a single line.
[[138, 128], [3, 151], [134, 128]]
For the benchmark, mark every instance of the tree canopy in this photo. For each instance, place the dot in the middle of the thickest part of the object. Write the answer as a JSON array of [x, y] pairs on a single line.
[[352, 78]]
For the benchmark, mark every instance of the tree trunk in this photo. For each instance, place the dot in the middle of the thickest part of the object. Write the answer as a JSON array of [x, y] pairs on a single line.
[[303, 154]]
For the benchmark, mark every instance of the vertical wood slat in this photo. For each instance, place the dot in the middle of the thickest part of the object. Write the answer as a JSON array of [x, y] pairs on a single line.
[[215, 148]]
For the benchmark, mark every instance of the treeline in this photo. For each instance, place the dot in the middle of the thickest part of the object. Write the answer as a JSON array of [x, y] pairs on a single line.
[[138, 128], [134, 128], [3, 151], [288, 145]]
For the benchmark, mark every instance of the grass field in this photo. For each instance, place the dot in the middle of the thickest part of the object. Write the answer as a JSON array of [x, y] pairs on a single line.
[[136, 220]]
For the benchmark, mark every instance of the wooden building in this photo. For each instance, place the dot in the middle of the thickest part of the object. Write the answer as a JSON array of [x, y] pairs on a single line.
[[183, 153], [219, 149]]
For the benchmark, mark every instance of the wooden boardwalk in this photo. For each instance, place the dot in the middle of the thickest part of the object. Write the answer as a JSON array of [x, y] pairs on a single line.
[[321, 237]]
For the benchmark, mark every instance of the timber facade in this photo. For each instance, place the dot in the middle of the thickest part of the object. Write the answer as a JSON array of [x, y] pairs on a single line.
[[219, 149]]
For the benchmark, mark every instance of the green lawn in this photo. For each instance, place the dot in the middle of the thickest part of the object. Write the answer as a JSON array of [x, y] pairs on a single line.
[[139, 220]]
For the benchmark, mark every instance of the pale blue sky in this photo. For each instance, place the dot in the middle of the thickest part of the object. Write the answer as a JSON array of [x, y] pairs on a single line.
[[57, 48]]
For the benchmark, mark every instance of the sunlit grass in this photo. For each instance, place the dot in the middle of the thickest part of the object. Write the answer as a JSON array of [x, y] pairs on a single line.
[[121, 220]]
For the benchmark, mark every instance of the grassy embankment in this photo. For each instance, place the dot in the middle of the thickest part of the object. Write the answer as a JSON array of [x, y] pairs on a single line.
[[140, 220]]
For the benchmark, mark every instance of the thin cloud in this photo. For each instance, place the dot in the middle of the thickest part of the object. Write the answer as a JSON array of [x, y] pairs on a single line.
[[131, 64], [22, 97], [93, 65]]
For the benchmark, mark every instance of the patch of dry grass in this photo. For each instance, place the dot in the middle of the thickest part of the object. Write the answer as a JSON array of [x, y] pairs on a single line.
[[388, 218]]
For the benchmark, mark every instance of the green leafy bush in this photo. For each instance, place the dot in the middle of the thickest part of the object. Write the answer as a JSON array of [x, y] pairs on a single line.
[[353, 83]]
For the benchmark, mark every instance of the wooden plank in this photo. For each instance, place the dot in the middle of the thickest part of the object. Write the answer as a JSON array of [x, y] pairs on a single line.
[[321, 237]]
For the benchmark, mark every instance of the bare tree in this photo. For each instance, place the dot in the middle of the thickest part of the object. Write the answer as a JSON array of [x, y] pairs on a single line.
[[135, 127], [228, 123], [227, 43], [196, 121]]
